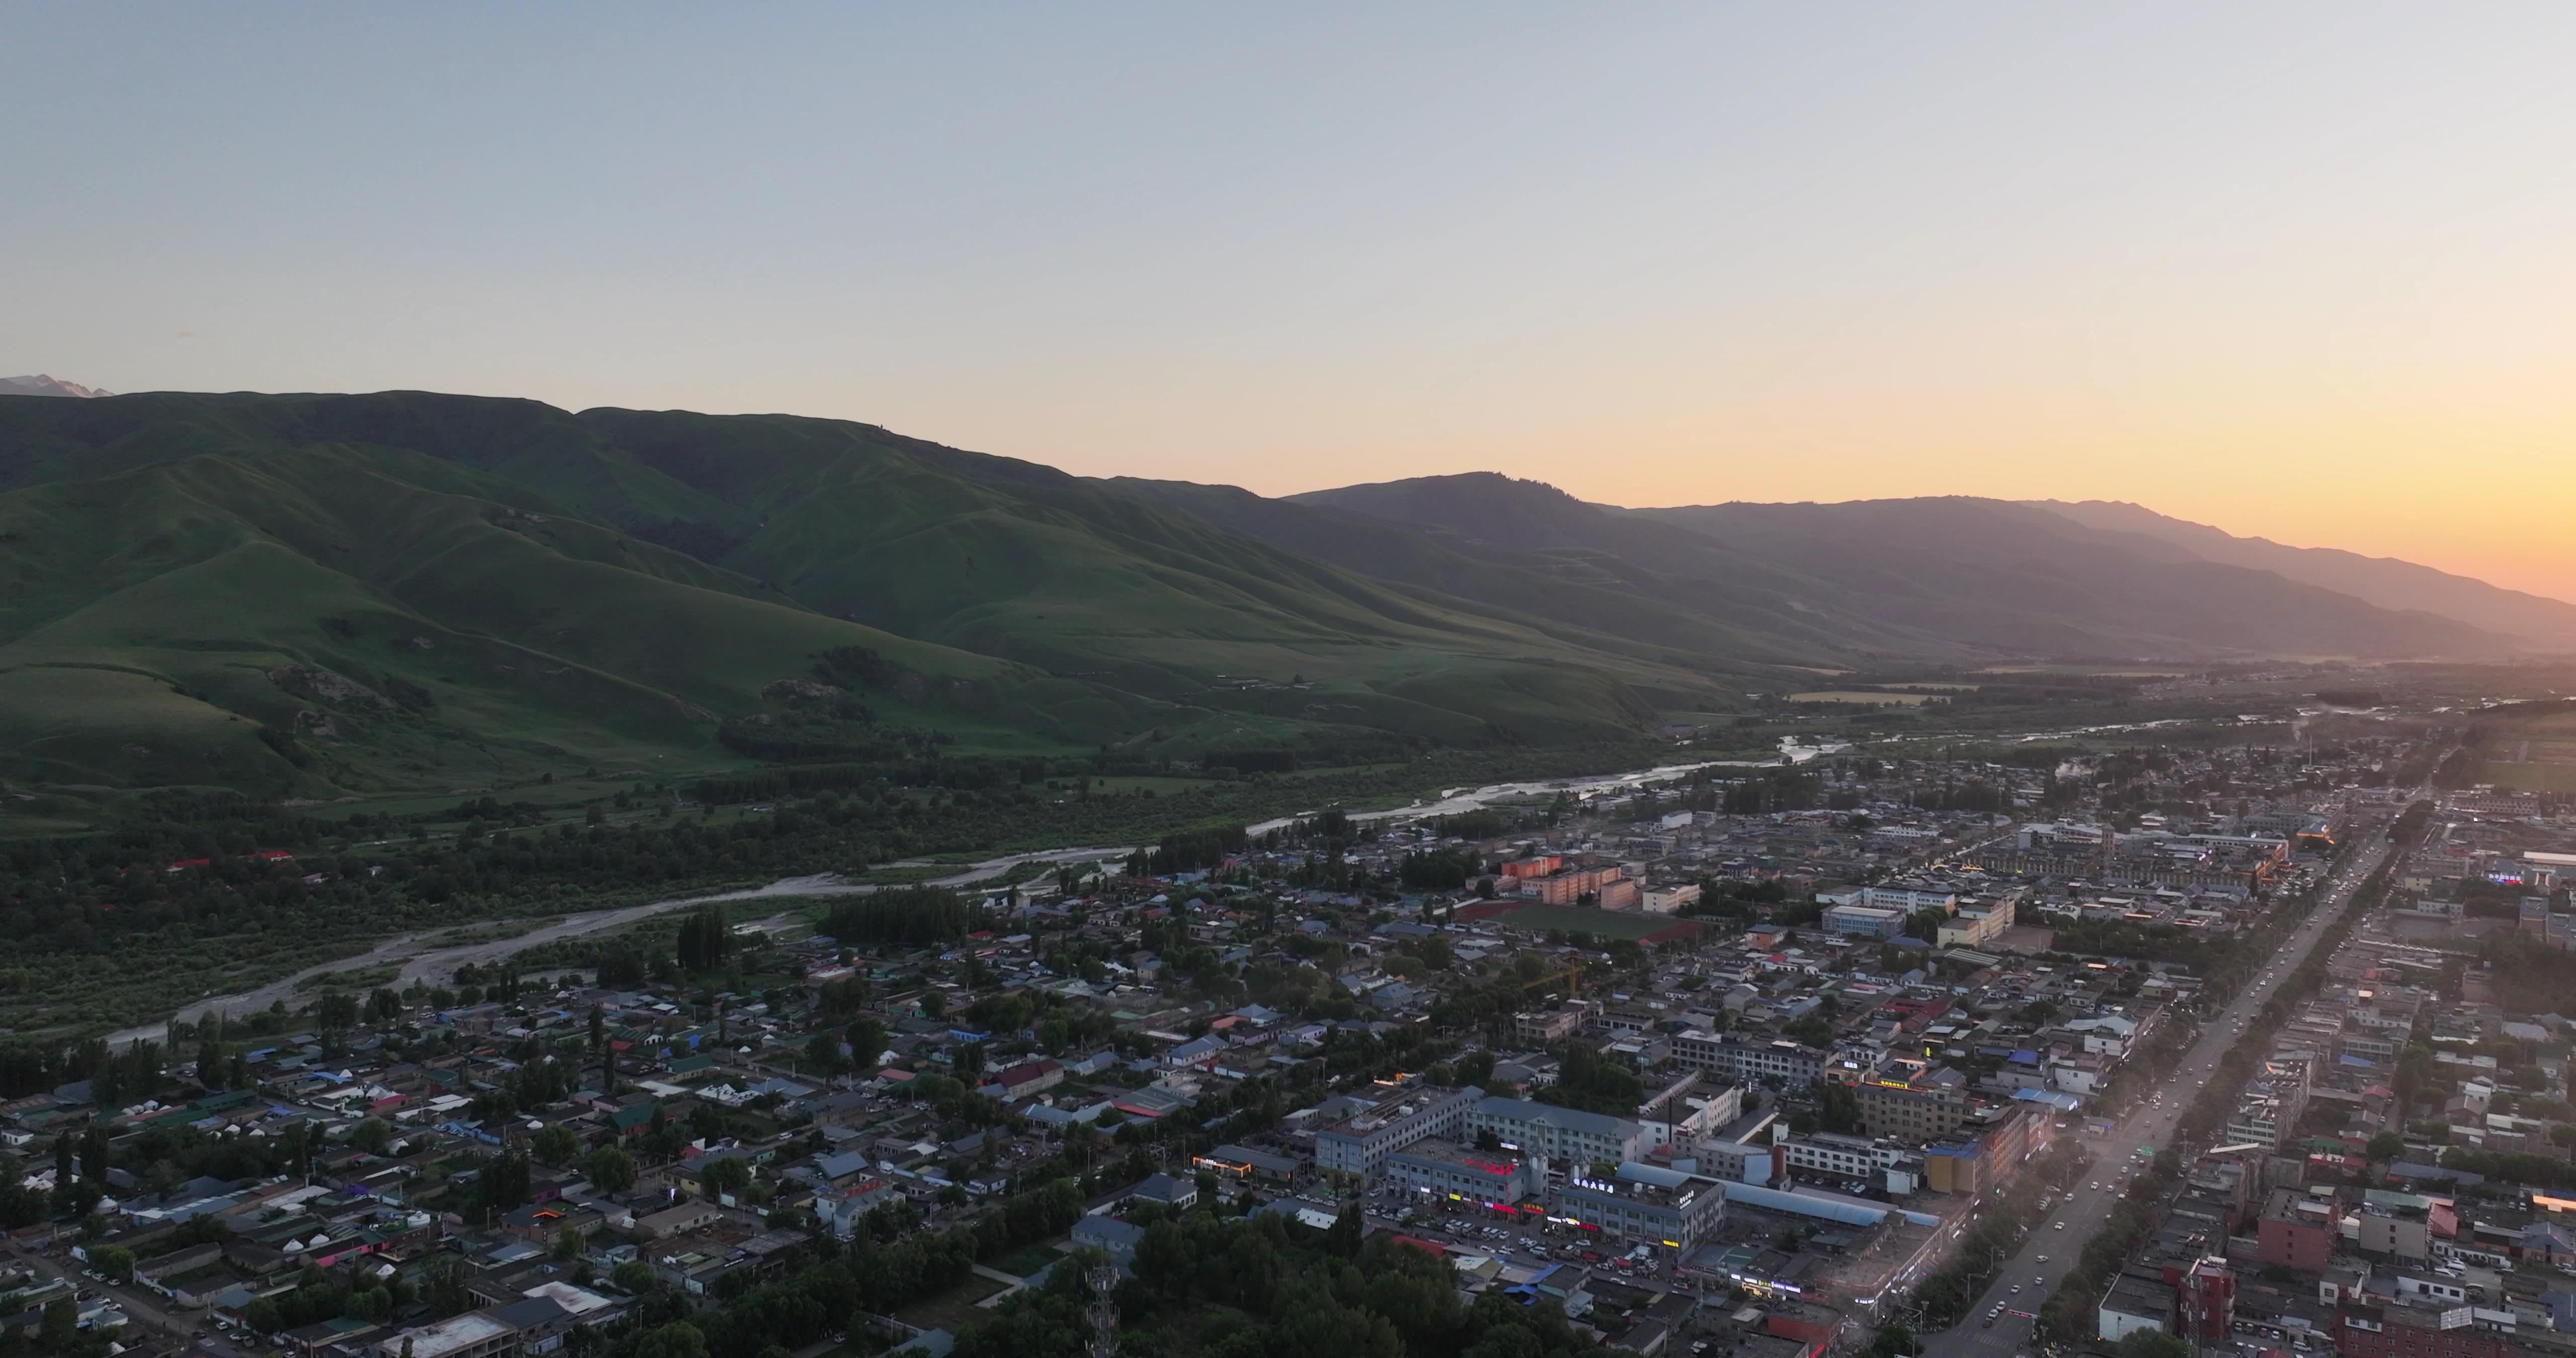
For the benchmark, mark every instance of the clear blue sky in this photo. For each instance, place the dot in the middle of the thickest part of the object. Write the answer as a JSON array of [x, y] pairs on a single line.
[[2294, 269]]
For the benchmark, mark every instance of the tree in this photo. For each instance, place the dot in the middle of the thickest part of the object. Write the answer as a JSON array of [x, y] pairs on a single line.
[[2387, 1146], [1837, 1107], [704, 938], [115, 1261], [866, 1038], [725, 1177], [372, 1136], [569, 1243], [95, 1158], [633, 1277], [823, 1054], [443, 1285], [60, 1325], [504, 1183], [2152, 1344], [555, 1144], [679, 1339], [603, 1049], [609, 1169]]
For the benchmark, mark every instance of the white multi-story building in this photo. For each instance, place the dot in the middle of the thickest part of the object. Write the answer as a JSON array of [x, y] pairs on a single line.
[[1557, 1133], [1360, 1143]]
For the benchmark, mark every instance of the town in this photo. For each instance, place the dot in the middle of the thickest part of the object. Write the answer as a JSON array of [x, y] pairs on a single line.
[[1776, 1063]]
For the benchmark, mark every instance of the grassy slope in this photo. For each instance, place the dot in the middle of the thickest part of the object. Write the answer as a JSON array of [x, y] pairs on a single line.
[[1738, 617], [500, 556], [1014, 559], [546, 642]]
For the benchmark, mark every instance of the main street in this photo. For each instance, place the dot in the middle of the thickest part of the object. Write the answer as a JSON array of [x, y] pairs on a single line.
[[2025, 1280]]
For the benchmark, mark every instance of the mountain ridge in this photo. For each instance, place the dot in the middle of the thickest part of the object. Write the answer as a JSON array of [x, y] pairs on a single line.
[[310, 594], [43, 384], [2390, 582]]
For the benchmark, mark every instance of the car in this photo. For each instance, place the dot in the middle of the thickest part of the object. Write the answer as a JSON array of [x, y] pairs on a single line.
[[2016, 1289], [2096, 1186], [2061, 1225], [2043, 1258]]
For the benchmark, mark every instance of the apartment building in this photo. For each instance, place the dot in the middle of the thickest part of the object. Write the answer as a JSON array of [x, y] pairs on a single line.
[[1547, 1027], [1446, 1171], [1928, 1106], [1643, 1204], [1977, 924], [1862, 921], [1360, 1144], [1556, 1133], [1746, 1060]]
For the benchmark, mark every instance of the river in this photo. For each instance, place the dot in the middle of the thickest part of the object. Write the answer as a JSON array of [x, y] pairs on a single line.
[[422, 958]]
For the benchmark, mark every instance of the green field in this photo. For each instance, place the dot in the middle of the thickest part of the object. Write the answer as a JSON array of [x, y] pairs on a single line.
[[1602, 923]]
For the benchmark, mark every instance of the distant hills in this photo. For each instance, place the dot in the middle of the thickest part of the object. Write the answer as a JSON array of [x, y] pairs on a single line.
[[39, 384], [2549, 624], [315, 595], [1957, 578]]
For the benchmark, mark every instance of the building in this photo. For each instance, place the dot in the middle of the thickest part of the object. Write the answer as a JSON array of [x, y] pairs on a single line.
[[1909, 900], [1550, 1026], [1360, 1143], [1665, 900], [1930, 1105], [1242, 1163], [1983, 1154], [1642, 1204], [1570, 886], [476, 1334], [2401, 1330], [1557, 1133], [1025, 1080], [1746, 1060], [1446, 1172], [1167, 1191], [2205, 1303], [2399, 1231], [1977, 924], [1862, 921], [2136, 1302], [1107, 1234], [1844, 1157], [2296, 1232]]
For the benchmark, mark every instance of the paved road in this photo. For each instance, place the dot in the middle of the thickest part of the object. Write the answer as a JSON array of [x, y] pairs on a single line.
[[423, 960], [2022, 1282], [144, 1312]]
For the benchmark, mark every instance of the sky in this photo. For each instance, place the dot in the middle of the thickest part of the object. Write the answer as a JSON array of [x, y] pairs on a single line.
[[2297, 270]]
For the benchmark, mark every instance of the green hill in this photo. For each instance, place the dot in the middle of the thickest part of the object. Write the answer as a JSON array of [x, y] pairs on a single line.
[[1934, 577], [320, 595]]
